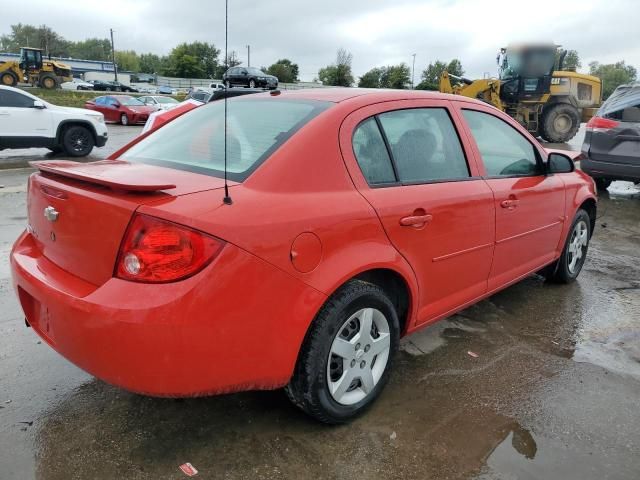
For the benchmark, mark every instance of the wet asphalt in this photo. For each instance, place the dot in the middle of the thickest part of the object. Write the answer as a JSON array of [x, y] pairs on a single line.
[[553, 393]]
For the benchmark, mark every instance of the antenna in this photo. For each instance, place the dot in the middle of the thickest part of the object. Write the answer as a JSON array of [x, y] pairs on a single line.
[[227, 199]]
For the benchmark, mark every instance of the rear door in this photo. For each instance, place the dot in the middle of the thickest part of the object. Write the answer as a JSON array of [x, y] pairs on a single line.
[[529, 204], [407, 159]]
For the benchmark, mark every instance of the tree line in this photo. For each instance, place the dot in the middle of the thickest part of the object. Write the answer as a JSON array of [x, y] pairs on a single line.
[[202, 60]]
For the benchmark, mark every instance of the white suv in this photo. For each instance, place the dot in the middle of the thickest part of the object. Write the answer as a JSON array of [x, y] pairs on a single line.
[[26, 121]]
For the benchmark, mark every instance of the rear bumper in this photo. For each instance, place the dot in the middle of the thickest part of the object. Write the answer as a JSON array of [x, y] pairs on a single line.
[[614, 171], [237, 325]]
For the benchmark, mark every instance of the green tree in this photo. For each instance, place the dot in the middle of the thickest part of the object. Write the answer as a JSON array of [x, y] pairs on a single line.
[[431, 75], [612, 75], [43, 37], [392, 76], [338, 74], [229, 61], [127, 60], [151, 63], [285, 70], [202, 60], [571, 61], [91, 49]]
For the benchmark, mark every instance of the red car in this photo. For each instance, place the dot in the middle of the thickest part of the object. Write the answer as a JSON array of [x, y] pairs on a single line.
[[353, 217], [124, 109]]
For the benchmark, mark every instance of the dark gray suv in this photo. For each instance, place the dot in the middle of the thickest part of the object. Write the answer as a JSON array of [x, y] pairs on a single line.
[[611, 148], [249, 77]]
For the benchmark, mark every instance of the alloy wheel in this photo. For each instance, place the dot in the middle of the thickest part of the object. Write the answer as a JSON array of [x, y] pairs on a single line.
[[577, 246], [358, 356]]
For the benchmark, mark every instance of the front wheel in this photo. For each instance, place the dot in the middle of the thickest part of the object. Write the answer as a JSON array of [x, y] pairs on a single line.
[[252, 83], [347, 355], [560, 122], [78, 141], [574, 254], [124, 120]]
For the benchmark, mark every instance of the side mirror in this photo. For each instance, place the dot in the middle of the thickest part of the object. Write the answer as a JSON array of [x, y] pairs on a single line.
[[560, 163], [38, 104]]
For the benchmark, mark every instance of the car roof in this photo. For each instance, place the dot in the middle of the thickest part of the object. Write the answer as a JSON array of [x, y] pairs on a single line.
[[372, 95]]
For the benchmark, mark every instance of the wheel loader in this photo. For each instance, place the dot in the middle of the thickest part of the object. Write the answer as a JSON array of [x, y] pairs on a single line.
[[548, 102], [34, 70]]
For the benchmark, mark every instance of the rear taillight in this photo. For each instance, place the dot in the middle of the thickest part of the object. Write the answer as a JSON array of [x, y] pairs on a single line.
[[599, 124], [159, 251]]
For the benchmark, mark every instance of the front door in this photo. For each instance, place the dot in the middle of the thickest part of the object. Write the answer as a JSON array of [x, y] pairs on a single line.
[[435, 209], [529, 204]]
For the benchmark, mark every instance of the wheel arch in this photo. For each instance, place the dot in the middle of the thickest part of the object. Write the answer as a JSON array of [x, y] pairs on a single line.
[[63, 125], [589, 205]]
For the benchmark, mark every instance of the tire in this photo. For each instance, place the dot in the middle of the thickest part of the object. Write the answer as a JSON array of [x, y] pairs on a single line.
[[602, 183], [565, 270], [124, 120], [48, 81], [252, 83], [8, 79], [227, 84], [560, 123], [108, 89], [334, 388], [77, 141]]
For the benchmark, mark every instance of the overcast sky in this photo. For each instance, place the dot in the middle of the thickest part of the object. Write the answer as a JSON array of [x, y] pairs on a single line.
[[376, 32]]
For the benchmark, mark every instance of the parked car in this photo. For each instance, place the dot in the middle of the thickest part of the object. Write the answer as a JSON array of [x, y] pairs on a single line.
[[159, 102], [77, 84], [111, 86], [124, 109], [249, 77], [611, 147], [196, 99], [352, 218], [167, 90], [217, 86], [27, 121]]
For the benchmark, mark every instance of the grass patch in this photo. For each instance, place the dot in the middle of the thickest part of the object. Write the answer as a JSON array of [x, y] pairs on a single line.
[[76, 98]]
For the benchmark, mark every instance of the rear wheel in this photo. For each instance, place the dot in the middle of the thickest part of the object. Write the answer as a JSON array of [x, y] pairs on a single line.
[[48, 81], [602, 183], [9, 79], [560, 122], [124, 120], [227, 84], [347, 355], [77, 141], [574, 254]]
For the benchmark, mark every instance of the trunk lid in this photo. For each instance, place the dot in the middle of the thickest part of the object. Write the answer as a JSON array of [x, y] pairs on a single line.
[[78, 213]]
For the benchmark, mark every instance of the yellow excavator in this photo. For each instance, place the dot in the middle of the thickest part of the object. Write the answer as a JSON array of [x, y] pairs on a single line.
[[34, 70], [549, 102]]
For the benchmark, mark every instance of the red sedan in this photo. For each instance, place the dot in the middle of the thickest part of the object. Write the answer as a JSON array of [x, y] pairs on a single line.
[[124, 109], [353, 218]]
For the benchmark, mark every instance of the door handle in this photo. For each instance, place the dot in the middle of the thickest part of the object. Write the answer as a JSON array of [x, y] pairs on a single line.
[[416, 220], [510, 204]]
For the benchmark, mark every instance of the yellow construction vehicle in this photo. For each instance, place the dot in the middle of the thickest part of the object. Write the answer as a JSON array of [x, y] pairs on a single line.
[[34, 70], [549, 103]]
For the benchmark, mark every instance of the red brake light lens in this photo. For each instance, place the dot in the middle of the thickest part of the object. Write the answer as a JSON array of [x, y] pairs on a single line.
[[159, 251], [600, 124]]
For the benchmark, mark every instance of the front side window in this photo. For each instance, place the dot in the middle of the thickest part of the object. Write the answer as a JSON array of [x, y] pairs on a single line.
[[424, 145], [256, 127], [15, 100], [371, 153], [505, 151]]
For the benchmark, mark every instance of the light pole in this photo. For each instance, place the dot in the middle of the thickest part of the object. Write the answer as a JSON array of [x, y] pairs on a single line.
[[413, 69], [113, 56], [248, 55]]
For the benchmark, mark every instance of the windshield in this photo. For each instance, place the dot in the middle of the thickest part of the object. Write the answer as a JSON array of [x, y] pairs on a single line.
[[532, 63], [256, 128], [166, 100], [130, 101]]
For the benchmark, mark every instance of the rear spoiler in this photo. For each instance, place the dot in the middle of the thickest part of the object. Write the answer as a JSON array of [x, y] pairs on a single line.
[[114, 174], [572, 154]]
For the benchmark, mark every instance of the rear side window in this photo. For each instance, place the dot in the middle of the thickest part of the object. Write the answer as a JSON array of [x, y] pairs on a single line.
[[371, 153], [16, 100], [505, 151], [424, 145], [256, 127]]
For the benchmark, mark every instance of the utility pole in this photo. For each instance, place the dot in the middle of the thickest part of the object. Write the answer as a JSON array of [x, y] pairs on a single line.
[[248, 55], [113, 57], [413, 70]]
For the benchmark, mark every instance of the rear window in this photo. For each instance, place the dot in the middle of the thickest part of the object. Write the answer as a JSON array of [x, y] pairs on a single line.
[[256, 127]]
